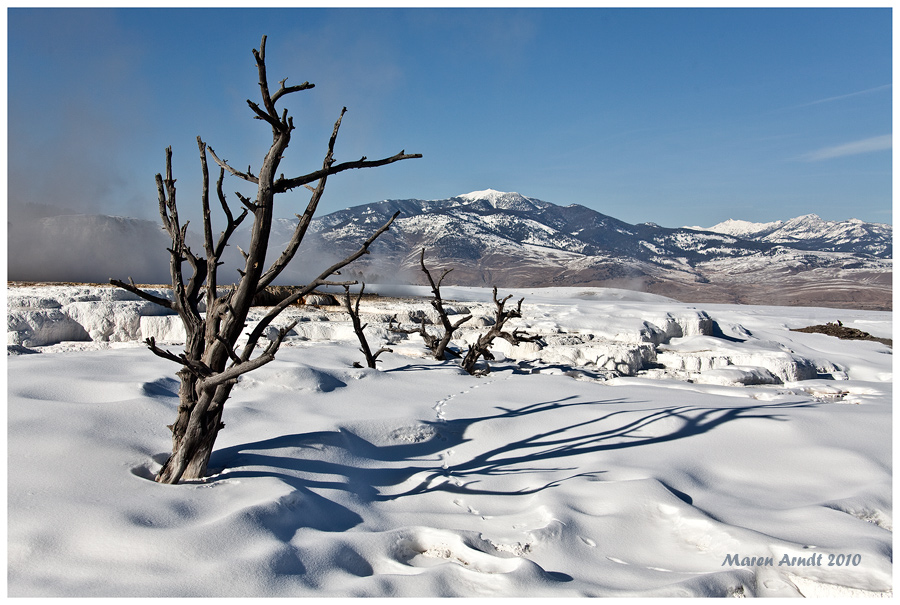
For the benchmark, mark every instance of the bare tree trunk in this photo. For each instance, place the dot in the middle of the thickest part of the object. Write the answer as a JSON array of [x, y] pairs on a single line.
[[211, 364]]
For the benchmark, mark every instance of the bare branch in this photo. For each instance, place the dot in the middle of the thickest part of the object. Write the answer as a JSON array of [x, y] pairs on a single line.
[[285, 91], [195, 284], [231, 354], [303, 221], [319, 281], [264, 81], [359, 327], [163, 302], [168, 211], [261, 115], [244, 366], [515, 337], [167, 197], [223, 164], [401, 330], [194, 366], [326, 282], [246, 202], [460, 322], [282, 185], [439, 346], [233, 372], [231, 226], [163, 204], [204, 202], [221, 194], [481, 348]]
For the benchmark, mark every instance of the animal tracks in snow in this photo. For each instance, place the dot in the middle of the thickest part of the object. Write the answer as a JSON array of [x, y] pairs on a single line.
[[439, 406]]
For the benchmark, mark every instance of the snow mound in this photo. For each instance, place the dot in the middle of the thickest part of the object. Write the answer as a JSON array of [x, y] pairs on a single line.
[[109, 321]]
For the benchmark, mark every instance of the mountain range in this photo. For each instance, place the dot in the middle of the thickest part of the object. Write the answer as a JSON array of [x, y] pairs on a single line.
[[809, 232], [509, 240], [512, 241]]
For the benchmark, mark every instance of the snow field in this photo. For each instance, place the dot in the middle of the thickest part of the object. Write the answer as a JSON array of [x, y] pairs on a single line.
[[416, 479]]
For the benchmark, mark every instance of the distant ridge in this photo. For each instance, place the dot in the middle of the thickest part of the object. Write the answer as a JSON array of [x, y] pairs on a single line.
[[811, 232], [507, 239]]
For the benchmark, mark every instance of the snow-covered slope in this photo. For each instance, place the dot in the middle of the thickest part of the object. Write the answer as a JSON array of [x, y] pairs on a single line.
[[811, 232], [495, 238], [724, 467], [742, 229], [503, 200]]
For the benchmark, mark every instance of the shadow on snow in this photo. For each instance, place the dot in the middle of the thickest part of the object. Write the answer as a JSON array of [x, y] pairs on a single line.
[[374, 472]]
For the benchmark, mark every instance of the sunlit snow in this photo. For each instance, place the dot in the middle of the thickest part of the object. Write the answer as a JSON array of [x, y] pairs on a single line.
[[645, 447]]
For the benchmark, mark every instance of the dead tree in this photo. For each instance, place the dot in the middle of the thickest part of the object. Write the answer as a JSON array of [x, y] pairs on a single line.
[[358, 327], [211, 363], [437, 345], [481, 348]]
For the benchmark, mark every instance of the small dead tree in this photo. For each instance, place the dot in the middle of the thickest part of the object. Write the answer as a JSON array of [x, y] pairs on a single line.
[[437, 345], [358, 327], [211, 364], [481, 348]]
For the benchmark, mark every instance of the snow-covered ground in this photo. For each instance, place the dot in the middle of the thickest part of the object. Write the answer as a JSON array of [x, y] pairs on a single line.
[[646, 447]]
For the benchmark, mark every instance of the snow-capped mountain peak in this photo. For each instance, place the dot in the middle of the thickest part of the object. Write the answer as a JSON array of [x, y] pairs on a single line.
[[811, 231], [743, 229], [502, 200], [491, 195]]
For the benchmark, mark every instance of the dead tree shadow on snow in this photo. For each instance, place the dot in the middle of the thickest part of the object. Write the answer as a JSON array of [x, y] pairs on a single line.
[[371, 471]]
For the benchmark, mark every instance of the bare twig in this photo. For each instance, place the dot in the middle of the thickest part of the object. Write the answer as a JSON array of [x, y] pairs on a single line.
[[162, 302], [225, 166]]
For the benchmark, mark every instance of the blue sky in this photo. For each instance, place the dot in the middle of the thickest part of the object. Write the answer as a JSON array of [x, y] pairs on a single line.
[[675, 116]]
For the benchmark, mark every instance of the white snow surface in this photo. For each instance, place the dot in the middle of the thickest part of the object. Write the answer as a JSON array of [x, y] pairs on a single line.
[[502, 199], [806, 227], [645, 448], [743, 228]]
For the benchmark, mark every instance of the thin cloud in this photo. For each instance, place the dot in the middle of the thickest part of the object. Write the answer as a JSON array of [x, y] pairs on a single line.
[[858, 93], [879, 143], [846, 96]]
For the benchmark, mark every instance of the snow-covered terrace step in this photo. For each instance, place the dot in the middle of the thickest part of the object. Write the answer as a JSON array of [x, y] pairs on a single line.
[[40, 327], [703, 353], [617, 336]]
